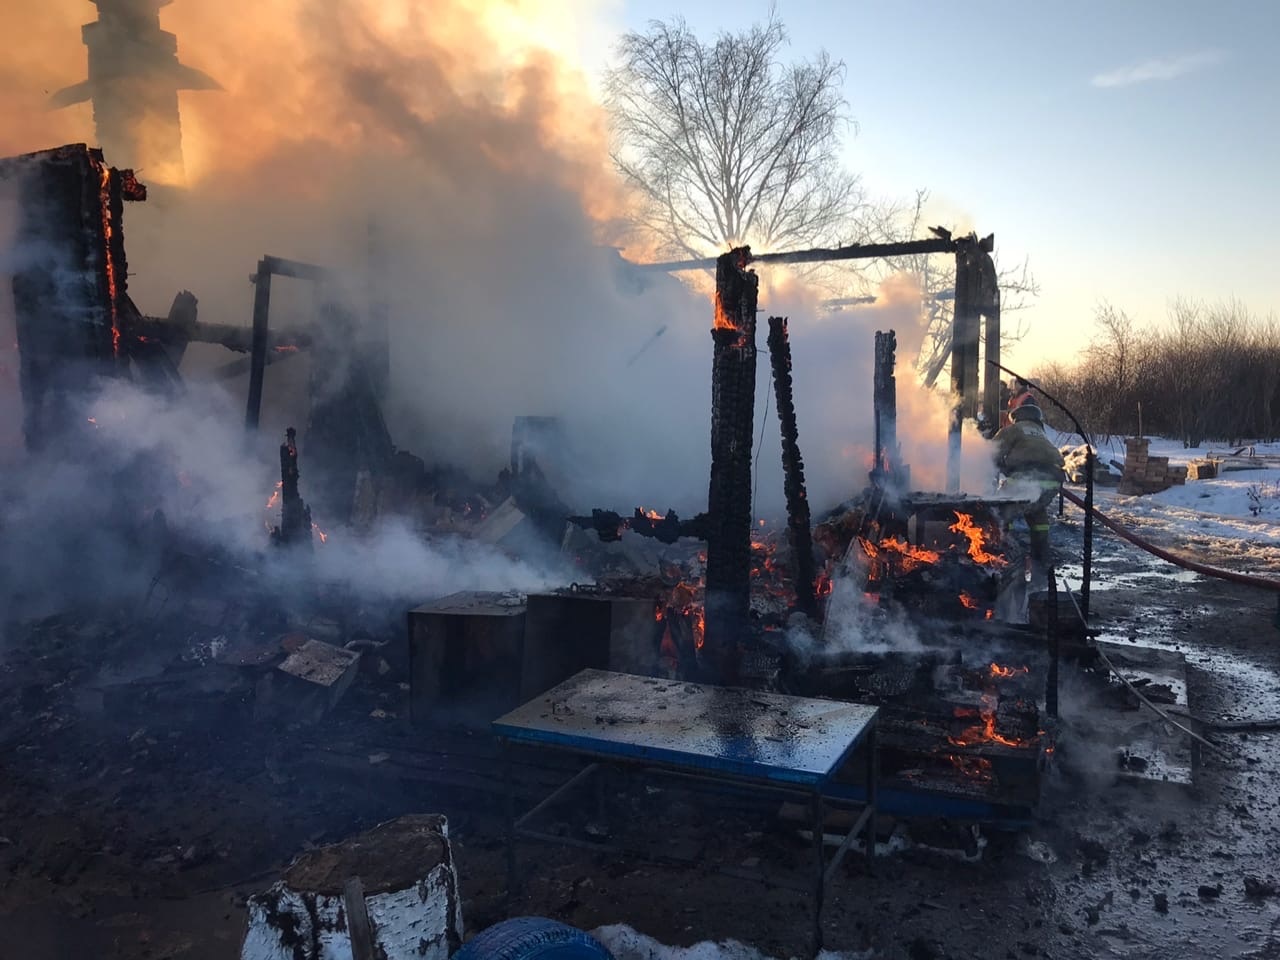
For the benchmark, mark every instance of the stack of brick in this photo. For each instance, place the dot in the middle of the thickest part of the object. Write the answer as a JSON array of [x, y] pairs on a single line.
[[1202, 469], [1144, 473]]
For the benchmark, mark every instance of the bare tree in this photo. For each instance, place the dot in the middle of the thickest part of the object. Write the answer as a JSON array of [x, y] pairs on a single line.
[[726, 144]]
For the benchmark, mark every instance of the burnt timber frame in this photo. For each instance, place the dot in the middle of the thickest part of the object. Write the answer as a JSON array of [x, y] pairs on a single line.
[[268, 267], [977, 296], [817, 798]]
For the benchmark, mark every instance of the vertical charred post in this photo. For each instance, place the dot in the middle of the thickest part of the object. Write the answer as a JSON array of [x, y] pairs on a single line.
[[733, 387], [295, 515], [966, 330], [798, 521], [258, 348], [889, 470], [991, 382]]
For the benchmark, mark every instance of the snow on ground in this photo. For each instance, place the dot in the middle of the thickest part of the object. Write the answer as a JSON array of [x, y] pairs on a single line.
[[1233, 520], [626, 944]]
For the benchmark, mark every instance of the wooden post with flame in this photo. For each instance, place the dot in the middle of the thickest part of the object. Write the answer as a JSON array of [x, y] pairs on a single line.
[[798, 520], [733, 385]]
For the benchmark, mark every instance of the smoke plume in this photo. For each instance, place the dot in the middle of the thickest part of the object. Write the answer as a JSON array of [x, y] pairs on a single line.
[[446, 163]]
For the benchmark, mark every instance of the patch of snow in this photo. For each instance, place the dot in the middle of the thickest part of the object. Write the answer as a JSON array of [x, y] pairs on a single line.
[[1234, 517], [627, 944]]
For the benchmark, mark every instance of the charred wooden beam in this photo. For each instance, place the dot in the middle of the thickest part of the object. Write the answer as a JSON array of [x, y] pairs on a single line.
[[733, 387], [799, 531], [610, 525], [854, 251]]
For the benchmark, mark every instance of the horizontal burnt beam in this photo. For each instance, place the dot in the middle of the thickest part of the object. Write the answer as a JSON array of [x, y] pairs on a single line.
[[232, 336], [284, 267], [854, 251]]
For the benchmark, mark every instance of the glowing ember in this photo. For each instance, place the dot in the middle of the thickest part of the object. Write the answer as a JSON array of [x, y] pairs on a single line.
[[275, 495], [286, 348], [324, 537], [999, 671], [966, 527], [968, 601], [104, 200]]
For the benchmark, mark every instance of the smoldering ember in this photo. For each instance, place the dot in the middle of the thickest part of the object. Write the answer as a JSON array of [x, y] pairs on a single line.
[[407, 612]]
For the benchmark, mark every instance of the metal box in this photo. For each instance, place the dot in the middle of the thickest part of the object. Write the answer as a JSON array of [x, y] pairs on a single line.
[[465, 658], [579, 629]]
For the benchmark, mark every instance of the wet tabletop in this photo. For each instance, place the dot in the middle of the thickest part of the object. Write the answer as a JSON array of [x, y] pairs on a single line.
[[696, 727]]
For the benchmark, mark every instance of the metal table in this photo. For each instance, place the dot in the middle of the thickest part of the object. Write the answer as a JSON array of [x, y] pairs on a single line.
[[767, 742]]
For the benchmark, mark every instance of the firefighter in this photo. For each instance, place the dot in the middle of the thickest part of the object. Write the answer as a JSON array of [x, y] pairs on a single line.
[[1018, 393], [1028, 458]]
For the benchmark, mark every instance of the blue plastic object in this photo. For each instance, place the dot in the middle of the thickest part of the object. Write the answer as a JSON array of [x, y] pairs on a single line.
[[532, 938]]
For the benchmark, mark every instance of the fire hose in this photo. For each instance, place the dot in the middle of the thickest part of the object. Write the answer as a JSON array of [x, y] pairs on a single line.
[[1249, 580]]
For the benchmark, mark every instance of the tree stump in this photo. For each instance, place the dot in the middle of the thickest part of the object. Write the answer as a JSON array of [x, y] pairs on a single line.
[[410, 888]]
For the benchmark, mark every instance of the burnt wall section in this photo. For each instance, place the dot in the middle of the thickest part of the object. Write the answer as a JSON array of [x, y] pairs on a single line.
[[733, 387], [70, 280], [799, 531]]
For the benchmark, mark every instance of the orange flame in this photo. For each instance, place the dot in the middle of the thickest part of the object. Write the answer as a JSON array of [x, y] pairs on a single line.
[[724, 320], [968, 601], [999, 671], [324, 537], [966, 527], [275, 495], [985, 730]]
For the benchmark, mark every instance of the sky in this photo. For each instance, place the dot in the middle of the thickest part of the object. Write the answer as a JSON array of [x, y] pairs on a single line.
[[1130, 151]]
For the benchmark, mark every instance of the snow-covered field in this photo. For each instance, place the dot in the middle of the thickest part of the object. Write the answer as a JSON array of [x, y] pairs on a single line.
[[1234, 518]]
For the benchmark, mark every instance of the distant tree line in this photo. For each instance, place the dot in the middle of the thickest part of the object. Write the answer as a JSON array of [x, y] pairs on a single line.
[[1210, 373]]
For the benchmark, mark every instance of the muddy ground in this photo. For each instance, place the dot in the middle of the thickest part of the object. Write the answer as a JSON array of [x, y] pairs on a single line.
[[131, 832]]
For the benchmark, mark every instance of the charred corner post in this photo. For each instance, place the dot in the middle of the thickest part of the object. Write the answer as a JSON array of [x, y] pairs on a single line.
[[977, 296], [69, 292], [733, 388], [799, 531]]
